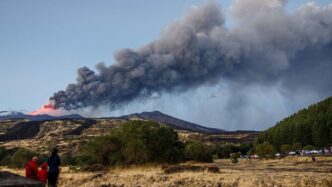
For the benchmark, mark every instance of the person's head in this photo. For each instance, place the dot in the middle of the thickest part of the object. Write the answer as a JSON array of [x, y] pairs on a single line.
[[35, 159], [54, 151], [44, 166]]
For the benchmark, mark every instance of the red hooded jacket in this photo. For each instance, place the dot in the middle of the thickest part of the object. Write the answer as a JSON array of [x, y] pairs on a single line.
[[31, 170], [42, 175]]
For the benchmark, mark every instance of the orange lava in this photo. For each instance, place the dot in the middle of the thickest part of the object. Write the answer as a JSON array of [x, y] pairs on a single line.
[[45, 109]]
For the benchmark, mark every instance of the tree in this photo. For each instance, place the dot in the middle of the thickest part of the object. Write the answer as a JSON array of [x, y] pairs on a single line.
[[265, 150], [234, 157], [285, 148], [21, 157], [197, 151], [104, 150], [308, 147], [135, 142], [296, 146], [310, 126]]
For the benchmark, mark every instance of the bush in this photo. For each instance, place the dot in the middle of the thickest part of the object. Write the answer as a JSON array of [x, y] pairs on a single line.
[[84, 159], [68, 159], [103, 150], [224, 151], [3, 152], [285, 148], [18, 157], [234, 157], [5, 156], [265, 150], [21, 157], [198, 151], [309, 147], [296, 146]]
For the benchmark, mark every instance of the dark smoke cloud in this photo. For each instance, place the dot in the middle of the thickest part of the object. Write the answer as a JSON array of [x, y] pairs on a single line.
[[266, 46]]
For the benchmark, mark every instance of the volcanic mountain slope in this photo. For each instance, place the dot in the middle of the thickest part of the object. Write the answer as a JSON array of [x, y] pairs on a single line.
[[67, 134], [12, 115], [173, 122], [70, 134]]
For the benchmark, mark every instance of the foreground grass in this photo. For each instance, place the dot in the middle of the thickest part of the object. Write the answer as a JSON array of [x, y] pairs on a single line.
[[289, 171]]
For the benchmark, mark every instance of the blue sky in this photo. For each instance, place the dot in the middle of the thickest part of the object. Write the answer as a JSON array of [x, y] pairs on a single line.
[[43, 43]]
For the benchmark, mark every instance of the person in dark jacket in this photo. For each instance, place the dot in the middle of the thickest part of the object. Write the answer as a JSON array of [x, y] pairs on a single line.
[[53, 163]]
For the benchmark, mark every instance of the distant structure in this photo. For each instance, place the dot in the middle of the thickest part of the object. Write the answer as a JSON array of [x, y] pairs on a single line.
[[8, 179]]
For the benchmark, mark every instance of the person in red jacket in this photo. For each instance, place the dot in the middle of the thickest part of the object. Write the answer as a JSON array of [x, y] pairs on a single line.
[[42, 174], [31, 168]]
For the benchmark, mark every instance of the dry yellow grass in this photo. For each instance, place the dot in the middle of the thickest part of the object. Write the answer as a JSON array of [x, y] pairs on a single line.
[[290, 171]]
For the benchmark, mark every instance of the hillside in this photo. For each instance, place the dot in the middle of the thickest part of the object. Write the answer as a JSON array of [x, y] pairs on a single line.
[[12, 115], [71, 134], [309, 126], [176, 123]]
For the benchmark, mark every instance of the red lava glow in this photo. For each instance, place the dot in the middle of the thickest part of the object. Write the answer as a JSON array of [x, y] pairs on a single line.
[[46, 109]]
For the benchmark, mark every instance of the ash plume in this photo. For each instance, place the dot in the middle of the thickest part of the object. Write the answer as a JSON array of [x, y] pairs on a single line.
[[266, 45]]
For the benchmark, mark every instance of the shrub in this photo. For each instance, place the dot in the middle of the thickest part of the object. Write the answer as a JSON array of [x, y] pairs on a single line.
[[197, 151], [234, 157], [103, 150], [296, 146], [21, 157], [3, 152], [84, 159], [224, 151], [265, 150], [286, 148], [309, 147], [68, 159], [5, 156]]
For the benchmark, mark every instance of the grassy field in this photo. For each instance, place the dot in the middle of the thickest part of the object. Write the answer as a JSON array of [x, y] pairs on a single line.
[[289, 171]]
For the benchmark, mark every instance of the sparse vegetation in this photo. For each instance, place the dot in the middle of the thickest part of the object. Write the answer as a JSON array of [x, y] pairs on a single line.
[[286, 172]]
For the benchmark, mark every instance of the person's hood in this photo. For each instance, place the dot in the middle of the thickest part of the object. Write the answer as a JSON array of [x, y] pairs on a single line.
[[32, 162], [44, 166]]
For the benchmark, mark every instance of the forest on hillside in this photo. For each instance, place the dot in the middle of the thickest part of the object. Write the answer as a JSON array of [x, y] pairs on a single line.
[[310, 126]]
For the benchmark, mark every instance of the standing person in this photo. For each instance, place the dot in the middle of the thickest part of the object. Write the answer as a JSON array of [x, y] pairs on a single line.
[[42, 175], [53, 168], [31, 168]]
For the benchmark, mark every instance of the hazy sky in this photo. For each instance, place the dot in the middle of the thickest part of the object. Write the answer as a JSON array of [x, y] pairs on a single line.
[[43, 43]]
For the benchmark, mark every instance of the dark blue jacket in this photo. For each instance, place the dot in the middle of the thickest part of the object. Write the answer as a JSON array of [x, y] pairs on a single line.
[[53, 163]]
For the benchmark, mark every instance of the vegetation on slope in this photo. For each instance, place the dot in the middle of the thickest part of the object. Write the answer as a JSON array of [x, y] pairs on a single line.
[[311, 126]]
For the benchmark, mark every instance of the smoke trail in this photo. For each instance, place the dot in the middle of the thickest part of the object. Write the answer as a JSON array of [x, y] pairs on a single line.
[[266, 46]]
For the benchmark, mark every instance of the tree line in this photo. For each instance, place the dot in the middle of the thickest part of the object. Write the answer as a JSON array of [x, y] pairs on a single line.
[[310, 127]]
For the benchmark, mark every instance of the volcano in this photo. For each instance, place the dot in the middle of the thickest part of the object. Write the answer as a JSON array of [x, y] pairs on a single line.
[[12, 115]]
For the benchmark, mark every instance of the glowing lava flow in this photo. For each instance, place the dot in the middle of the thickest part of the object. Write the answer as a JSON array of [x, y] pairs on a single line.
[[46, 109]]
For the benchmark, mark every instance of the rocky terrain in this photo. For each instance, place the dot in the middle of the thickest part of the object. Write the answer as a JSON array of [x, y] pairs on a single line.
[[70, 134]]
